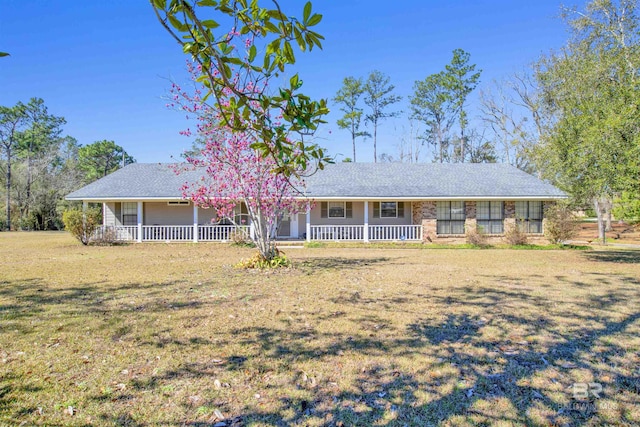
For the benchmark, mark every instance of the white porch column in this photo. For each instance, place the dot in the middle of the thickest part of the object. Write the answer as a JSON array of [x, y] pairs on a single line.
[[104, 214], [252, 231], [308, 220], [366, 220], [195, 223], [140, 220], [293, 226]]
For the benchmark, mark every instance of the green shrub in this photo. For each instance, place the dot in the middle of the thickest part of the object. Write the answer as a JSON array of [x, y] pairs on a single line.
[[82, 224], [561, 224]]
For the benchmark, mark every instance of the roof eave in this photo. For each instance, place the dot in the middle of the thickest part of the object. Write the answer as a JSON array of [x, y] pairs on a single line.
[[427, 198], [119, 199], [330, 198]]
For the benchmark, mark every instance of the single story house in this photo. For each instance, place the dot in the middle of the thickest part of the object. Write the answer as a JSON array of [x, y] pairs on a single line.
[[352, 201]]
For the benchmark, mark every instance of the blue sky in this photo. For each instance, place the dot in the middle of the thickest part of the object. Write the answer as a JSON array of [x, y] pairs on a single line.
[[106, 65]]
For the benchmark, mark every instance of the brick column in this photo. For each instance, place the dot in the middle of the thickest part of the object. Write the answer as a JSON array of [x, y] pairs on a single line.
[[416, 213], [509, 215], [546, 205], [424, 213], [470, 222]]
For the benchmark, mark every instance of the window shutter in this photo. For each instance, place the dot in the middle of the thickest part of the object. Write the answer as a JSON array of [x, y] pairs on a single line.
[[400, 209], [349, 210], [118, 209], [324, 210], [376, 209]]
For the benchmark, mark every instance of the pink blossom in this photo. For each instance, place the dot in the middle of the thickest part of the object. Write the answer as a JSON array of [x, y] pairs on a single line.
[[233, 172]]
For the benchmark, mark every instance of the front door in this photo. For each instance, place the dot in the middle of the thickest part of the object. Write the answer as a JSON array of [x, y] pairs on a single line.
[[284, 229]]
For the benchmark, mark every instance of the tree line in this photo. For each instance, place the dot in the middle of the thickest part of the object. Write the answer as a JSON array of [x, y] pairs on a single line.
[[572, 117], [439, 118], [39, 166]]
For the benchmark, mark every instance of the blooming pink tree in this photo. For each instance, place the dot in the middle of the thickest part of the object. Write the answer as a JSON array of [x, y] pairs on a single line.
[[234, 171], [253, 132]]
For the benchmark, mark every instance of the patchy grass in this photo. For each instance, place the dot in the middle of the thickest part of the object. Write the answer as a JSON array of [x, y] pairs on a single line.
[[452, 245], [172, 334], [553, 247]]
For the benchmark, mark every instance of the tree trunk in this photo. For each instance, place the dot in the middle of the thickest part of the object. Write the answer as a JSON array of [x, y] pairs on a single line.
[[8, 225], [375, 140], [608, 217], [598, 205], [353, 138], [262, 235], [462, 145], [27, 201], [440, 143]]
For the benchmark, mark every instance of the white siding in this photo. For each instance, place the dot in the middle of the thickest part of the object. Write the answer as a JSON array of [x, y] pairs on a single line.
[[110, 214], [159, 213], [406, 220], [358, 216]]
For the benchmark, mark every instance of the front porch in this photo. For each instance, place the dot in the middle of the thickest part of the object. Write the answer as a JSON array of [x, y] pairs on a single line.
[[330, 220], [181, 221]]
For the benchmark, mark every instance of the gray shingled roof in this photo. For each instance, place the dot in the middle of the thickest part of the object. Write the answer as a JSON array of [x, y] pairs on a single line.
[[424, 180], [347, 180]]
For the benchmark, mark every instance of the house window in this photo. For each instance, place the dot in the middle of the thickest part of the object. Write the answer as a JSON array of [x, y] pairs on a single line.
[[450, 218], [241, 216], [179, 203], [489, 217], [129, 213], [388, 209], [336, 210], [529, 216]]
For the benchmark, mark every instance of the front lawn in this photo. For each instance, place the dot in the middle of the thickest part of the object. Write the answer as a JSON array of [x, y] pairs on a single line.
[[173, 335]]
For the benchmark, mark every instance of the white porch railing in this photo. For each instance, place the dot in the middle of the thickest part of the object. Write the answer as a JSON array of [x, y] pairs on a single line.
[[222, 233], [395, 232], [168, 233], [217, 233], [337, 232], [163, 233]]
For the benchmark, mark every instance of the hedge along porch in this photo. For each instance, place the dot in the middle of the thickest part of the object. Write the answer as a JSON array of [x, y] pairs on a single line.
[[351, 201]]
